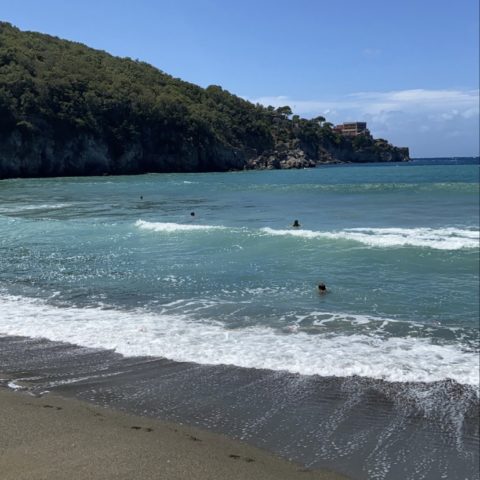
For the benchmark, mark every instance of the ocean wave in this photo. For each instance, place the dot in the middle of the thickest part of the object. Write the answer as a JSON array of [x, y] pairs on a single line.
[[173, 227], [436, 238], [448, 238], [178, 337], [6, 209]]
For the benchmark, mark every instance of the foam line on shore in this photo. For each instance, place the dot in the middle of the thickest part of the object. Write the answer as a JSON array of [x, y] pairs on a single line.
[[178, 337]]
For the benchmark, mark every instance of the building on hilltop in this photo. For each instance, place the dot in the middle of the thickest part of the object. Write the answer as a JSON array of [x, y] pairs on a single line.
[[352, 129]]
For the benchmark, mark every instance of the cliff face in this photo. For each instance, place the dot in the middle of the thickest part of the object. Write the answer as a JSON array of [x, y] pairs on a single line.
[[25, 155], [66, 109]]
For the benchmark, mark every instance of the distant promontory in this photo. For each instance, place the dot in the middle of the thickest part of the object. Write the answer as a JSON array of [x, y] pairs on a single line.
[[66, 109]]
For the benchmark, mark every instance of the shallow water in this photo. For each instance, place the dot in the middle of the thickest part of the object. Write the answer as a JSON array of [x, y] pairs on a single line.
[[88, 261]]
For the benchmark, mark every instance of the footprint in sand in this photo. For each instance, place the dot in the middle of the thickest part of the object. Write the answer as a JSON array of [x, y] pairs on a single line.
[[239, 457], [51, 406], [147, 429]]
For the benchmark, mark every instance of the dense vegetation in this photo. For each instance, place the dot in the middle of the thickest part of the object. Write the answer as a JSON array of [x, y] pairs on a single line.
[[68, 109]]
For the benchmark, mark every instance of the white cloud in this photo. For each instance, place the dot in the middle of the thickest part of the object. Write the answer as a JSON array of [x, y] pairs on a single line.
[[422, 119], [449, 102], [375, 102]]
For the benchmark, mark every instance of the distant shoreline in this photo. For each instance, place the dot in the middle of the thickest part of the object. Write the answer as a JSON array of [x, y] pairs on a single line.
[[412, 161], [445, 161]]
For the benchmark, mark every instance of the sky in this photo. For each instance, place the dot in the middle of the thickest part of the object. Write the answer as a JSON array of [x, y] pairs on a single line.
[[409, 68]]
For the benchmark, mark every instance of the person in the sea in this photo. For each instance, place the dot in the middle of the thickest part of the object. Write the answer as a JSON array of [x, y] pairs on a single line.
[[192, 214], [322, 288], [296, 224]]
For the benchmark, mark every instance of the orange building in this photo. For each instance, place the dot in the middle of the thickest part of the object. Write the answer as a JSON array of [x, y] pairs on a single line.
[[352, 129]]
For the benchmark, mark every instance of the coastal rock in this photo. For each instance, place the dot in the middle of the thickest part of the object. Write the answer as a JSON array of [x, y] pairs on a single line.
[[281, 159]]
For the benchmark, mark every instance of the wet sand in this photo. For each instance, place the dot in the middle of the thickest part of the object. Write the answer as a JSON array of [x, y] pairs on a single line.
[[360, 427], [52, 437]]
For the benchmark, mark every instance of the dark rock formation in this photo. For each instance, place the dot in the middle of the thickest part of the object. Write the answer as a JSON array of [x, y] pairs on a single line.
[[274, 159]]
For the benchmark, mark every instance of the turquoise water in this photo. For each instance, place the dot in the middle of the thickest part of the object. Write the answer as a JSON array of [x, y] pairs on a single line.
[[87, 260]]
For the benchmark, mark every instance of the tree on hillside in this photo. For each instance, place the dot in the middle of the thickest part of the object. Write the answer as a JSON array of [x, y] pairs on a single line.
[[285, 111]]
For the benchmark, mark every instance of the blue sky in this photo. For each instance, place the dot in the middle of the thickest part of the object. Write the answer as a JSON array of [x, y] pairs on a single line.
[[410, 68]]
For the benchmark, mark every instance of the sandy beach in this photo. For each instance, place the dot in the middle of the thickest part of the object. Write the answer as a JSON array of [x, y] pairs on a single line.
[[51, 437]]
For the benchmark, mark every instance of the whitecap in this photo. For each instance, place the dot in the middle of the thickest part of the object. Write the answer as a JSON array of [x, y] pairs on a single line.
[[25, 208], [169, 227], [437, 238]]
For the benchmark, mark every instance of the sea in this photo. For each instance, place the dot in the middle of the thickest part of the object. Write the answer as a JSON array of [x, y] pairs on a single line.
[[191, 298]]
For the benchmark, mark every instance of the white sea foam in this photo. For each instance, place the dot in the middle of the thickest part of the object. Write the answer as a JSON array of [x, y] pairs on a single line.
[[327, 317], [447, 238], [180, 338], [437, 238], [14, 386], [25, 208], [173, 227]]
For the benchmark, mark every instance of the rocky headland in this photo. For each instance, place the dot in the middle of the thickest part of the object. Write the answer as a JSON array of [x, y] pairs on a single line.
[[66, 109]]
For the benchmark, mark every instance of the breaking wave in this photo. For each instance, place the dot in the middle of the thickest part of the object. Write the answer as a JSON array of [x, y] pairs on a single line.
[[14, 208], [178, 337], [173, 227], [437, 238]]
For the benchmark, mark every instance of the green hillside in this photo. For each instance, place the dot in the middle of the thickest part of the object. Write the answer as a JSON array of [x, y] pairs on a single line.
[[66, 109]]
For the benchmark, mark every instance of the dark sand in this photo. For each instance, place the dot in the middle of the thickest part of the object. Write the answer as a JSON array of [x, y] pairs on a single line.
[[51, 437], [363, 428]]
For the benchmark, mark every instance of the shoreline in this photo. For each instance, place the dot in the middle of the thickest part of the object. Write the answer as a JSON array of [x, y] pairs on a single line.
[[54, 437], [323, 424], [329, 163], [333, 163]]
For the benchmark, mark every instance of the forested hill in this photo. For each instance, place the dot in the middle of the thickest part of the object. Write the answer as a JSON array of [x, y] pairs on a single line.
[[66, 109]]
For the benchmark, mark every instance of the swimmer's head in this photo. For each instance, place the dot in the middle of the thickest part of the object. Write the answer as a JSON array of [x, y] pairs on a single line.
[[322, 287]]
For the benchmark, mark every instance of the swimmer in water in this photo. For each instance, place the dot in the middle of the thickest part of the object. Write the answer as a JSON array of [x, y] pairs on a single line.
[[295, 224], [192, 214], [322, 288]]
